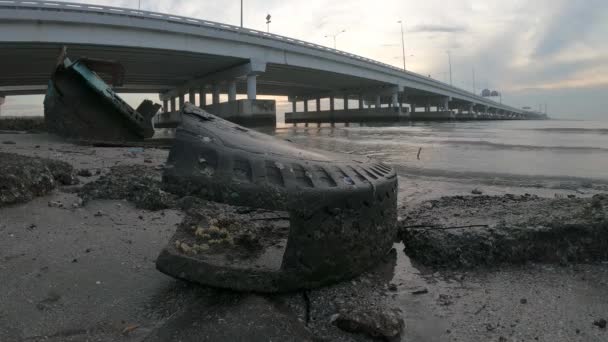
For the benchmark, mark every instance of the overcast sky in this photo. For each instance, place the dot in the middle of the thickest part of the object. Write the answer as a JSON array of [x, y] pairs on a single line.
[[541, 51]]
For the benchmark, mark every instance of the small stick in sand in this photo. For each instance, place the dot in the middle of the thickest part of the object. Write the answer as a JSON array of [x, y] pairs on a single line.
[[419, 150]]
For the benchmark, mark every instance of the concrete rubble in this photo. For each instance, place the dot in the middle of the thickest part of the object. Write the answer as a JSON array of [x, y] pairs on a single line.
[[506, 230]]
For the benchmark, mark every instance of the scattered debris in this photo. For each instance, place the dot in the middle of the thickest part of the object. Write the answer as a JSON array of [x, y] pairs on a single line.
[[23, 178], [420, 290], [85, 173], [600, 323], [99, 213], [55, 204], [129, 328], [477, 192], [135, 183], [523, 301], [374, 322]]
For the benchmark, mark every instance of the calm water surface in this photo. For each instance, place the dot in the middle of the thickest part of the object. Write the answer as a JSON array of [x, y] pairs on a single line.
[[517, 152]]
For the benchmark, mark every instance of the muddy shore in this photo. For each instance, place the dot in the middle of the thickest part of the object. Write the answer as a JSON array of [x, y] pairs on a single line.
[[84, 271]]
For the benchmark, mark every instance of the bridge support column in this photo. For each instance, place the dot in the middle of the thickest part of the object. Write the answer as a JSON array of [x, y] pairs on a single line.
[[446, 104], [413, 107], [232, 91], [215, 96], [360, 102], [428, 107], [173, 106], [305, 106], [182, 100], [202, 97], [2, 99], [331, 103], [293, 105], [395, 100], [318, 103], [378, 102], [165, 106], [345, 102], [192, 96], [252, 87]]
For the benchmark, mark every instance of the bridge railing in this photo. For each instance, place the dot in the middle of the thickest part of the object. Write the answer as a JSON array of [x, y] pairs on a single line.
[[118, 11]]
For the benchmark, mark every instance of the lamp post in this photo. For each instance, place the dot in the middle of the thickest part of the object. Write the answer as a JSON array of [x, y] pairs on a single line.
[[241, 13], [268, 23], [402, 44], [334, 37], [450, 64]]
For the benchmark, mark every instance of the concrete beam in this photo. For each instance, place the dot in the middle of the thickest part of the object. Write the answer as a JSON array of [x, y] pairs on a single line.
[[239, 71]]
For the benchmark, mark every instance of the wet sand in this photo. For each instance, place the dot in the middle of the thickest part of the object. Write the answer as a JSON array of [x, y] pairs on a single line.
[[87, 274]]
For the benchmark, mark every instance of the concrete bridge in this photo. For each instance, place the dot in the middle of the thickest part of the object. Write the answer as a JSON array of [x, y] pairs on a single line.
[[183, 58]]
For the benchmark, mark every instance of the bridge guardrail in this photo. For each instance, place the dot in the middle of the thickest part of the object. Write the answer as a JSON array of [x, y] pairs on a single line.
[[78, 7]]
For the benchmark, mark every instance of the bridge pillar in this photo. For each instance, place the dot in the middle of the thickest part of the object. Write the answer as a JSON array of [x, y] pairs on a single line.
[[182, 100], [215, 95], [378, 102], [331, 103], [2, 99], [232, 91], [173, 106], [427, 107], [252, 87], [192, 96], [446, 104], [305, 106], [165, 106], [318, 103], [345, 102], [202, 97], [413, 107], [293, 105], [360, 102], [395, 100]]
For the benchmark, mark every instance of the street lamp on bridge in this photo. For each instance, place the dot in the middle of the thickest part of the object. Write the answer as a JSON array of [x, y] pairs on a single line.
[[450, 64], [334, 36], [402, 44]]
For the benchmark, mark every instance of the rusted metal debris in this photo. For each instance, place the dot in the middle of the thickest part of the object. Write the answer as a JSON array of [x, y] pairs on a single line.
[[79, 104]]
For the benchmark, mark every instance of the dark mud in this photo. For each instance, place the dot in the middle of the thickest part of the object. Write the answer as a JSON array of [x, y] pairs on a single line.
[[135, 183], [34, 124], [24, 178], [471, 231]]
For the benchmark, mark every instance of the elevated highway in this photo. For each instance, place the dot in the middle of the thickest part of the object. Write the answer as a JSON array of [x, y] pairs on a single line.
[[179, 57]]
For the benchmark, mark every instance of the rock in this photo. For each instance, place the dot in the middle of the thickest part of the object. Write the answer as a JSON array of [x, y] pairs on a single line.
[[601, 323], [55, 204], [85, 173], [374, 322], [9, 142], [99, 213], [506, 230], [477, 192], [444, 300], [392, 287], [149, 161], [523, 301]]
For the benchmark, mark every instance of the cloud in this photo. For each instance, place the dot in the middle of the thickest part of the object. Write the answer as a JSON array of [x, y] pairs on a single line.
[[421, 28]]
